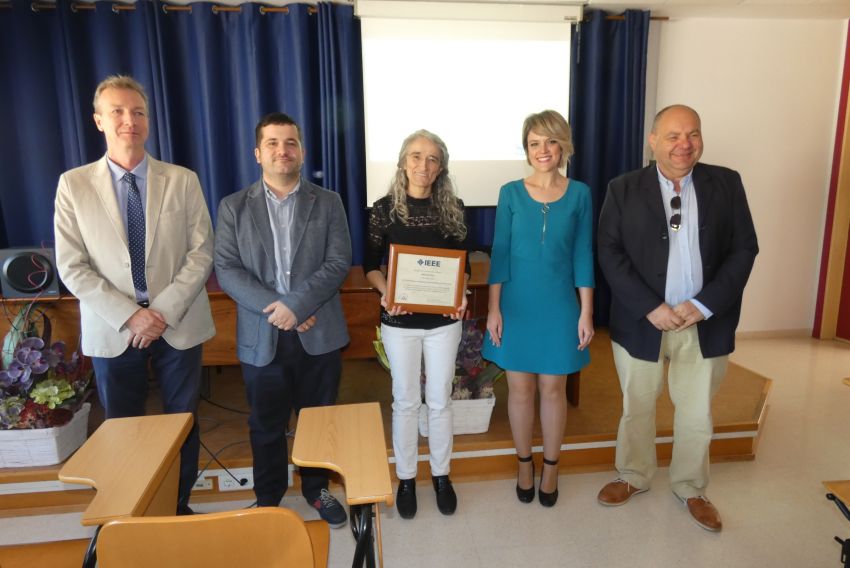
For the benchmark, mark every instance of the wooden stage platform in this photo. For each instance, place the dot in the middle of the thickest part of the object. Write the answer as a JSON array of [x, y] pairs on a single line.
[[739, 412]]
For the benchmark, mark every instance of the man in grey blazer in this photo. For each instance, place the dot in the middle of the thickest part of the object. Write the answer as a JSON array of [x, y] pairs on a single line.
[[282, 251], [134, 244]]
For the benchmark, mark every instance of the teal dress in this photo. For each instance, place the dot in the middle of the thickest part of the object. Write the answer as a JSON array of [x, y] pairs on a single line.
[[541, 254]]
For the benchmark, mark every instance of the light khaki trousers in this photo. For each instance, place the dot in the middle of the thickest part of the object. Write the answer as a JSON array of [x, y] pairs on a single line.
[[692, 381]]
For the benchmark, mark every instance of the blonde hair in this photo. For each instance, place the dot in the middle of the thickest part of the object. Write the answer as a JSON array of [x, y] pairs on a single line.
[[549, 123], [443, 195], [119, 82]]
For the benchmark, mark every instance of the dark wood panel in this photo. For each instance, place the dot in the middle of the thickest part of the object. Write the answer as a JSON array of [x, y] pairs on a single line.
[[64, 314], [360, 303]]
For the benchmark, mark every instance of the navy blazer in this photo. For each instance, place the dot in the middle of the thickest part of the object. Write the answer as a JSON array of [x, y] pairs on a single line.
[[633, 250], [245, 268]]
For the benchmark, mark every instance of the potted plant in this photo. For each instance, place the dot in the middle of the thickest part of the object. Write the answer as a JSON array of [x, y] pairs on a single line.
[[43, 392], [473, 396]]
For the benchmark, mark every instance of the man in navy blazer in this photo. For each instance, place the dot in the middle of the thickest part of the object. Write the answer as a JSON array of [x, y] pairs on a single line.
[[676, 244], [282, 251]]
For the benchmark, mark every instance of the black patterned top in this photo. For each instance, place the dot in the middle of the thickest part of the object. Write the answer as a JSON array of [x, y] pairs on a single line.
[[421, 230]]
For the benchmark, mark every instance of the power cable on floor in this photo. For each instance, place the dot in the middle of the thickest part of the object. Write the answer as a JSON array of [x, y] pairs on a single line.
[[241, 481]]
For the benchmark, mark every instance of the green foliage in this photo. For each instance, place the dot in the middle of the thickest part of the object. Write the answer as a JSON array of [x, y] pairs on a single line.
[[52, 392]]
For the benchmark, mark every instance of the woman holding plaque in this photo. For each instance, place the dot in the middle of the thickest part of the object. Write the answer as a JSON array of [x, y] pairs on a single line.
[[420, 209], [536, 328]]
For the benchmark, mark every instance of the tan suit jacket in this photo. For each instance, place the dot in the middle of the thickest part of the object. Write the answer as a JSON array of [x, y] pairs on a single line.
[[94, 260]]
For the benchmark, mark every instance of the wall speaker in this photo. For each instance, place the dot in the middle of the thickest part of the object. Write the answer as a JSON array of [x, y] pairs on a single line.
[[28, 272]]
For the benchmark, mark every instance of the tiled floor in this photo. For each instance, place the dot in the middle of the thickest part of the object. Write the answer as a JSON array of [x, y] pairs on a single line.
[[774, 510]]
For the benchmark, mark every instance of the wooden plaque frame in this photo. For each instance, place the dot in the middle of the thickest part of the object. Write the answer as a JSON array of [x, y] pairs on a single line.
[[432, 252]]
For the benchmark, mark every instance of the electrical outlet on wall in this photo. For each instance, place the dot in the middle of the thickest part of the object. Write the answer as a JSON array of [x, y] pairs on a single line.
[[203, 484], [227, 483]]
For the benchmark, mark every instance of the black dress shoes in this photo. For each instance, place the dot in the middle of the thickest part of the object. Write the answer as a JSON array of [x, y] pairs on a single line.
[[526, 495], [548, 499], [405, 500], [446, 498]]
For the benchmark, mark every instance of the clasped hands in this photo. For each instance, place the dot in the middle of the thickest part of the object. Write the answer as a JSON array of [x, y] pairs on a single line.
[[682, 316], [283, 318], [146, 326]]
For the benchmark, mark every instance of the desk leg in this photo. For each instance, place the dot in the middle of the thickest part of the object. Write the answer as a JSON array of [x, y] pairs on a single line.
[[90, 559], [573, 388], [361, 526], [378, 531], [206, 383], [845, 543]]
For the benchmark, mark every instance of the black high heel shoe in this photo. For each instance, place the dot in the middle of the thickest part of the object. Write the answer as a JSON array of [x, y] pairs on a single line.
[[547, 499], [525, 495]]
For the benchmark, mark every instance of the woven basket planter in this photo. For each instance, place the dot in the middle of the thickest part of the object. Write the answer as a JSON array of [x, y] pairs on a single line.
[[44, 446], [471, 416]]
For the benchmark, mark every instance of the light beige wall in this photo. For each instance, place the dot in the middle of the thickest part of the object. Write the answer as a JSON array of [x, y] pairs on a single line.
[[767, 91]]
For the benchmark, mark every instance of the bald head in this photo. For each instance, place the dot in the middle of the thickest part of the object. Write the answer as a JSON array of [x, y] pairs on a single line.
[[678, 108]]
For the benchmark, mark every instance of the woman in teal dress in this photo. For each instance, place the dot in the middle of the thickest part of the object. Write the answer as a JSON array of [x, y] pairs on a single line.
[[537, 329]]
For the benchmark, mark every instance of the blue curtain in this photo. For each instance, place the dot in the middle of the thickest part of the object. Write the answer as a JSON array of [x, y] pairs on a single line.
[[607, 96], [210, 75], [342, 119], [481, 223]]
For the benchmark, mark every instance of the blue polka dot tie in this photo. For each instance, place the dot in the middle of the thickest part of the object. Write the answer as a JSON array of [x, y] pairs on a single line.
[[136, 233]]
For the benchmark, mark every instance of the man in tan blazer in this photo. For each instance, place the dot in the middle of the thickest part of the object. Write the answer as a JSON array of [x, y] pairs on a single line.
[[134, 244]]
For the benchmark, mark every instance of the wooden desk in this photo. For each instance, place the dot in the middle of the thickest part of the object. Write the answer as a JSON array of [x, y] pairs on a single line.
[[360, 303], [349, 439], [133, 463], [840, 489], [839, 493]]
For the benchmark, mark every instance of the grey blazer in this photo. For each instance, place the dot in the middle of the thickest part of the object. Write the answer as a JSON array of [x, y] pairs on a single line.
[[245, 268]]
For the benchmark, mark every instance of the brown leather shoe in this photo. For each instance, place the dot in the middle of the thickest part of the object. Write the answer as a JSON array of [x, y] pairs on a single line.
[[617, 493], [704, 513]]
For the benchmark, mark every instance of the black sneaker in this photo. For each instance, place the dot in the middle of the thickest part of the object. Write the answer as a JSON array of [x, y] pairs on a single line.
[[405, 500], [446, 498], [330, 510]]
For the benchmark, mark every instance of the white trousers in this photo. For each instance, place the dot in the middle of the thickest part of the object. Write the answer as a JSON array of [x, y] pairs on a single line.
[[692, 381], [406, 350]]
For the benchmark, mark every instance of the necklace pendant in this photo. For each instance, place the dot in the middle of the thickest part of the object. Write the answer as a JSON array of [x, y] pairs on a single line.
[[545, 211]]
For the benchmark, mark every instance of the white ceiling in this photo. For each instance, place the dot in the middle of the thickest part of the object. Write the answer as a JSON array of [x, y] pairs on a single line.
[[799, 9]]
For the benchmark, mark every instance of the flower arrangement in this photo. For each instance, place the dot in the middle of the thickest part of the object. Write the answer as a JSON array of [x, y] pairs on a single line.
[[474, 377], [39, 387]]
